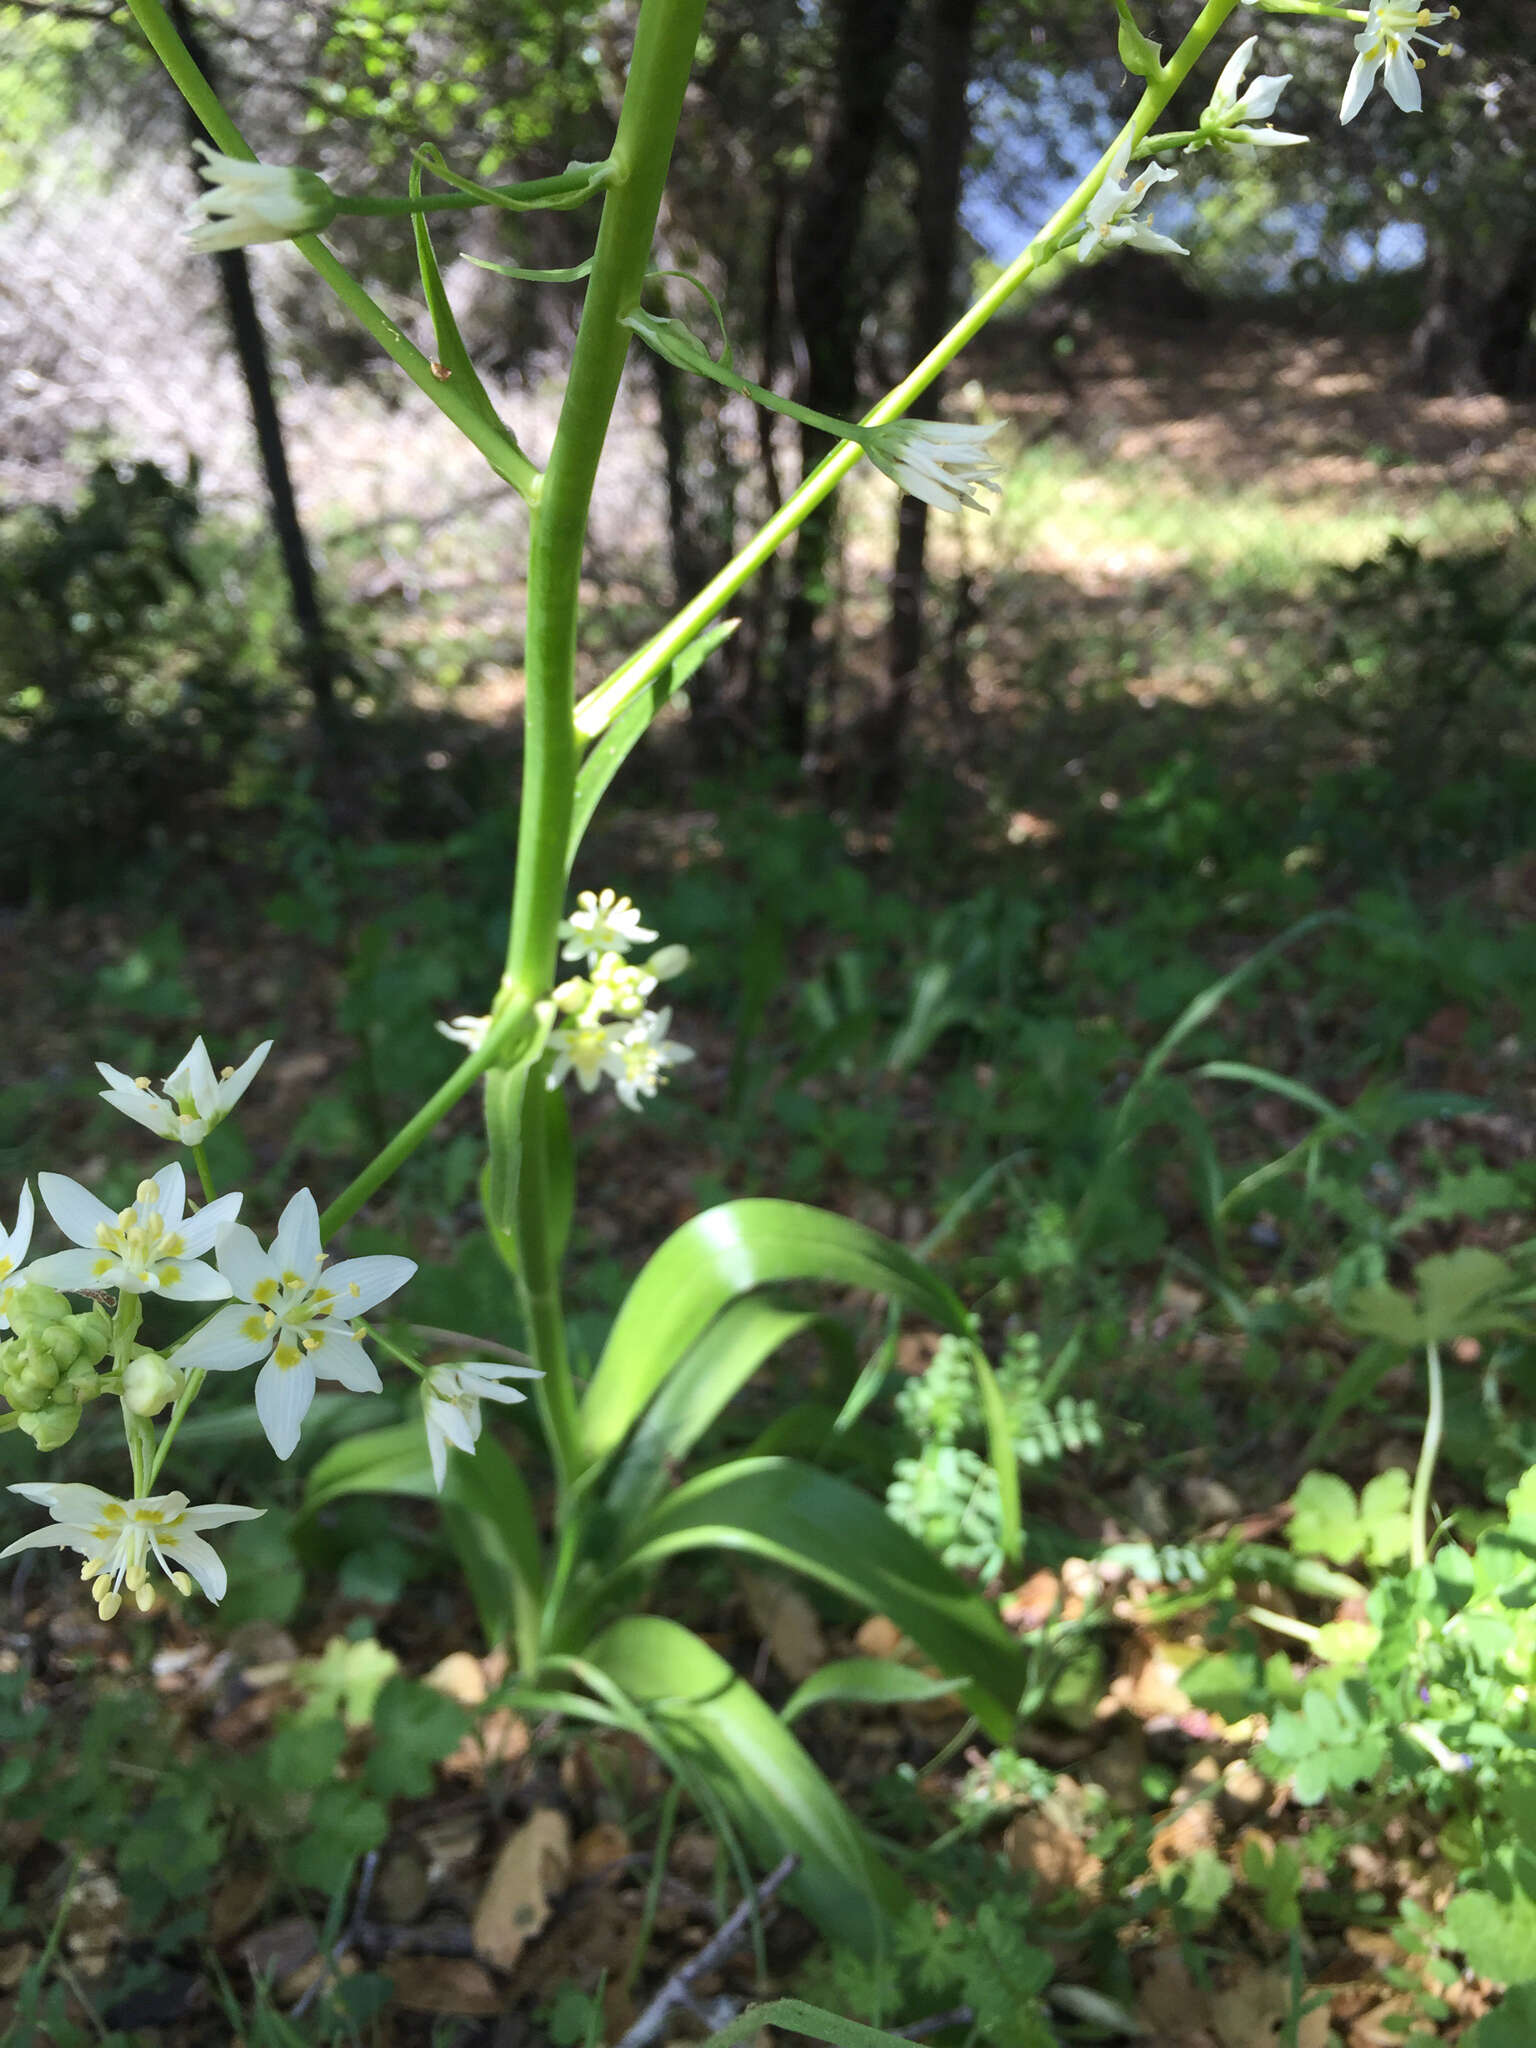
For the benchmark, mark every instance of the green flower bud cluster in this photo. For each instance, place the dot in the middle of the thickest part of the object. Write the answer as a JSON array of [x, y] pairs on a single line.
[[48, 1366]]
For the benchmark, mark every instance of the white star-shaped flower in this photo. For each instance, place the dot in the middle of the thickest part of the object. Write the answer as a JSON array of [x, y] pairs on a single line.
[[147, 1248], [196, 1099], [13, 1247], [297, 1315], [1385, 44], [118, 1537], [644, 1054], [604, 923], [587, 1048], [942, 462], [251, 202], [1229, 117], [450, 1405], [1105, 219]]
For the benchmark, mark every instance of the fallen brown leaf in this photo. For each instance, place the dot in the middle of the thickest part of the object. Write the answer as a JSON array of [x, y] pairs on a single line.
[[514, 1906], [789, 1622], [454, 1984]]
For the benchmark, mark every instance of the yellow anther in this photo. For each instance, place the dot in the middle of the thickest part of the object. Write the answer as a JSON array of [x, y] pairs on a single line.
[[126, 1219], [102, 1587], [313, 1343], [147, 1191], [145, 1596], [182, 1581], [141, 1081], [134, 1577], [107, 1605], [268, 1320], [226, 1073]]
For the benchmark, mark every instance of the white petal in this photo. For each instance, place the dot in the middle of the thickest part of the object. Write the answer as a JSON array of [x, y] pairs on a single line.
[[1263, 96], [222, 1344], [200, 1232], [188, 1552], [242, 1261], [215, 1513], [1402, 80], [145, 1109], [172, 1198], [16, 1244], [75, 1209], [283, 1395], [54, 1537], [341, 1358], [70, 1271], [461, 1429], [230, 1091], [1225, 94], [296, 1247], [68, 1500], [1358, 89], [195, 1280], [374, 1278]]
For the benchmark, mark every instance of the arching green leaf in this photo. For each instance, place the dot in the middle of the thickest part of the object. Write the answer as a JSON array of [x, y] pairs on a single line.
[[717, 1257]]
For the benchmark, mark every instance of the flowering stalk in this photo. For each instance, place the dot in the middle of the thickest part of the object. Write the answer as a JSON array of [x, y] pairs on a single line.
[[507, 460], [598, 709]]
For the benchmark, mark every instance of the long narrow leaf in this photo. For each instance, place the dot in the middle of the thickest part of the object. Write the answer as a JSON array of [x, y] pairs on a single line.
[[1210, 999], [706, 1380], [773, 1791], [717, 1257], [794, 2016], [817, 1524], [864, 1681]]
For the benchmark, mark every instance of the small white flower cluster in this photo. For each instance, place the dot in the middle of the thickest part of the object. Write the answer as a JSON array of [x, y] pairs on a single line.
[[286, 1311], [606, 1028]]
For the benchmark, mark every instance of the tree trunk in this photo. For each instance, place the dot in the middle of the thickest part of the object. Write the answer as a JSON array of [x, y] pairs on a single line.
[[316, 653], [1475, 331], [828, 308], [951, 26]]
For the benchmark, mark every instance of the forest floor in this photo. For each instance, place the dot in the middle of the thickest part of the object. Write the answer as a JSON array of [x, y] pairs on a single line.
[[1257, 648]]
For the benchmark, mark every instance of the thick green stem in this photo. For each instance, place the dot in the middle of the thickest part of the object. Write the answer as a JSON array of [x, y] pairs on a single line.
[[665, 38], [507, 460], [598, 709], [1429, 1451], [539, 1282]]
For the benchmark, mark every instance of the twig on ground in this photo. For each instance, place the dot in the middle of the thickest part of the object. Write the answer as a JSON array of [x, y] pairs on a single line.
[[936, 2022], [678, 1989]]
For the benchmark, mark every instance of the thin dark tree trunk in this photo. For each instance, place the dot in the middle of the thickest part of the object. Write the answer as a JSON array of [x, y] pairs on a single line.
[[828, 309], [950, 30], [316, 652]]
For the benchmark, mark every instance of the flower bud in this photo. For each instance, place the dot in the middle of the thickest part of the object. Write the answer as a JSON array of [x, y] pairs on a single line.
[[668, 961], [34, 1307], [150, 1384], [38, 1376], [51, 1427]]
